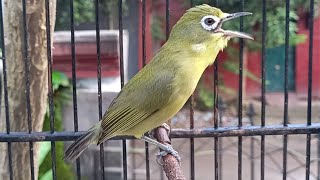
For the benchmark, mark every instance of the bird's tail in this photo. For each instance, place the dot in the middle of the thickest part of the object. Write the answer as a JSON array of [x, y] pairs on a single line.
[[81, 144]]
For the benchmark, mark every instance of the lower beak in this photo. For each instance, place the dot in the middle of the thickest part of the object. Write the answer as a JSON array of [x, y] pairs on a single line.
[[235, 33]]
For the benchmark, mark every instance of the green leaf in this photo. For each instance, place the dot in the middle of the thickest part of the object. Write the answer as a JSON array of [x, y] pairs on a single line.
[[59, 79], [234, 68], [44, 150], [47, 175]]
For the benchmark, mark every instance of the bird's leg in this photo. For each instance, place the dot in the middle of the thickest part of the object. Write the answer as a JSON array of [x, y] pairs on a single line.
[[167, 149], [164, 125]]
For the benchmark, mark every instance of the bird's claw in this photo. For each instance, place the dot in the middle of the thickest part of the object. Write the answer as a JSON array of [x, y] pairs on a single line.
[[168, 150], [164, 125], [167, 127]]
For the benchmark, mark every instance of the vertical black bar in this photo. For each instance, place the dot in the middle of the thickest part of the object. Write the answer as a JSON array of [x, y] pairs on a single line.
[[121, 44], [167, 19], [50, 91], [220, 142], [27, 79], [74, 79], [285, 115], [5, 90], [318, 156], [263, 86], [309, 113], [144, 57], [192, 160], [251, 114], [144, 62], [124, 145], [133, 163], [311, 16], [101, 152], [240, 69], [240, 95], [252, 165], [168, 29], [217, 155], [217, 141]]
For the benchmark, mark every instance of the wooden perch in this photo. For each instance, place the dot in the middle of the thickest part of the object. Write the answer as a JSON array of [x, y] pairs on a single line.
[[170, 165]]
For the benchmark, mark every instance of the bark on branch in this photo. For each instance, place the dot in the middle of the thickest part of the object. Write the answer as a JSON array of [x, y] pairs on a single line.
[[171, 165]]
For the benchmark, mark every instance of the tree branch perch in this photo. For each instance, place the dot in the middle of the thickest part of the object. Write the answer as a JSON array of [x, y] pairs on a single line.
[[170, 165]]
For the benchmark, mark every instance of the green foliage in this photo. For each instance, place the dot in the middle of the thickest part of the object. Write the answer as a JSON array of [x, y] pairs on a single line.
[[61, 87], [59, 80], [233, 66], [44, 151], [205, 98], [47, 175], [84, 12], [157, 31]]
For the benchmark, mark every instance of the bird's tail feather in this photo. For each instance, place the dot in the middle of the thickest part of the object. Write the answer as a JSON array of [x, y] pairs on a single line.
[[81, 144]]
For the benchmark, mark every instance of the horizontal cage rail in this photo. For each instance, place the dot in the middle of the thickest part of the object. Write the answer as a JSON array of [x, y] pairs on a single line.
[[175, 133]]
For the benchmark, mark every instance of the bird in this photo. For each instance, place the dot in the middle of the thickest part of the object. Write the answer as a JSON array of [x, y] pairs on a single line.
[[160, 89]]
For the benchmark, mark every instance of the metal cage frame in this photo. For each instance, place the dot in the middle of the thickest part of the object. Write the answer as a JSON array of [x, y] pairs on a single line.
[[216, 132]]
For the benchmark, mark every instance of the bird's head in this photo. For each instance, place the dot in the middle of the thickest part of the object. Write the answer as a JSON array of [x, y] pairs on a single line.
[[203, 25]]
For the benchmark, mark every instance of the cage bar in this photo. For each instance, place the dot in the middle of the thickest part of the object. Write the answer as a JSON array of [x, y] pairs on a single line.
[[27, 85], [5, 87], [191, 126], [98, 44], [285, 113], [50, 90], [124, 143], [241, 43], [144, 62], [263, 86], [216, 132], [74, 83], [217, 142], [309, 107], [231, 131]]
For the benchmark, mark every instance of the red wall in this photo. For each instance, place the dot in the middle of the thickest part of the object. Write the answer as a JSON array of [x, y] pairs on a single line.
[[302, 58], [86, 60]]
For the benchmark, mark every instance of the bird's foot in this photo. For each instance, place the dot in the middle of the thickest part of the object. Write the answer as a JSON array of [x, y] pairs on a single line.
[[168, 149], [164, 125]]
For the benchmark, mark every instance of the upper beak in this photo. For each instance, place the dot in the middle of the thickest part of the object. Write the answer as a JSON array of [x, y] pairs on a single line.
[[235, 33]]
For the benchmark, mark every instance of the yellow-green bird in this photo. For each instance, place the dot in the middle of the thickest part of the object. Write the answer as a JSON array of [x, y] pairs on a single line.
[[161, 88]]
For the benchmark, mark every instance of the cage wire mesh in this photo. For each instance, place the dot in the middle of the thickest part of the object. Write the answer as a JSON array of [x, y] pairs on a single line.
[[213, 145]]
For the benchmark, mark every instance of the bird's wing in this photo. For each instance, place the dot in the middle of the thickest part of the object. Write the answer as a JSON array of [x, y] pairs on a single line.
[[145, 94]]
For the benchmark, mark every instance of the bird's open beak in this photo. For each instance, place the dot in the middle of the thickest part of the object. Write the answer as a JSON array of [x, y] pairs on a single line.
[[234, 33]]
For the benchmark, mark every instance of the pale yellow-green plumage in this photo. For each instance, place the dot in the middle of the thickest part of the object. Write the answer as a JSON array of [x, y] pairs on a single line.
[[162, 87]]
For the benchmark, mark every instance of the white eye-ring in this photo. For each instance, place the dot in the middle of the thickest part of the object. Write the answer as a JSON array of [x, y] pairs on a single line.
[[209, 22]]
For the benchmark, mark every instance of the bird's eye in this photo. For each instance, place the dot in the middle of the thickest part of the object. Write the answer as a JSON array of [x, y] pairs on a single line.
[[209, 21]]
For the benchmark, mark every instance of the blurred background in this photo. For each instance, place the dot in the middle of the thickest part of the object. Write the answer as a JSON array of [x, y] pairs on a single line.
[[228, 68], [228, 86]]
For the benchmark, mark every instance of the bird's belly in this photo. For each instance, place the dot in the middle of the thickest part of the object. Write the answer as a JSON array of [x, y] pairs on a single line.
[[158, 118], [186, 85]]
